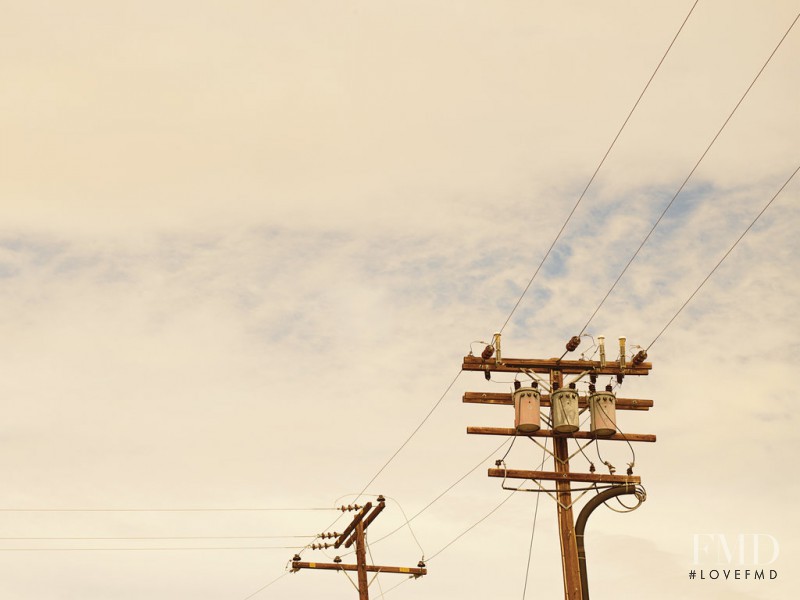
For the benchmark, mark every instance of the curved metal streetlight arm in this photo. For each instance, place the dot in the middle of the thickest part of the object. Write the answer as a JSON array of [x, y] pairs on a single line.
[[580, 525]]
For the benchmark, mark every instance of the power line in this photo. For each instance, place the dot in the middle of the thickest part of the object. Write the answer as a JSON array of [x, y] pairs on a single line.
[[165, 549], [438, 402], [185, 537], [473, 526], [739, 239], [685, 181], [117, 510], [487, 515], [262, 588], [569, 217], [413, 433], [454, 540], [377, 578], [403, 445], [602, 161], [460, 535], [437, 498], [597, 170], [396, 585], [450, 487], [533, 527]]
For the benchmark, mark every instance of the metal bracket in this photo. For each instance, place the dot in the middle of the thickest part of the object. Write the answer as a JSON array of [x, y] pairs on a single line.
[[570, 457], [353, 583], [542, 381], [374, 577]]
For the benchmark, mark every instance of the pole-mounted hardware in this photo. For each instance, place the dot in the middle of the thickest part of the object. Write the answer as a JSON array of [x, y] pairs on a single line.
[[354, 533], [565, 402]]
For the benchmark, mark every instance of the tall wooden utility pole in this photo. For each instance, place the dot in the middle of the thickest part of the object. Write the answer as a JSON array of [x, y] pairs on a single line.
[[554, 371], [354, 533]]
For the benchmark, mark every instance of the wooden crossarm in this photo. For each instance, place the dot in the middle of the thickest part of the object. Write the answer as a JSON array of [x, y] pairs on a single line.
[[370, 518], [550, 476], [416, 571], [360, 515], [583, 401], [537, 365], [578, 435]]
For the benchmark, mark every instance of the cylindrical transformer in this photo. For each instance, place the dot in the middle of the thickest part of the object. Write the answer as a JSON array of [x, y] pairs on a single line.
[[526, 409], [602, 407], [564, 410]]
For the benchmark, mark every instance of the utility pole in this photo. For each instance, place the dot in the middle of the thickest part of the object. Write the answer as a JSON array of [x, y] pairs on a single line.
[[566, 405], [354, 533]]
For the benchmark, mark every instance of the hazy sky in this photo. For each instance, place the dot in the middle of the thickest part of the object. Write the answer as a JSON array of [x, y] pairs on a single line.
[[245, 245]]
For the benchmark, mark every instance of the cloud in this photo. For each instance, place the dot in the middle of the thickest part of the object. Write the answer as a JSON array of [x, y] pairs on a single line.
[[244, 251]]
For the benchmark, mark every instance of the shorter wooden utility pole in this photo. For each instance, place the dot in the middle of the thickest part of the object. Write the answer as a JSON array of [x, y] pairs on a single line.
[[355, 533]]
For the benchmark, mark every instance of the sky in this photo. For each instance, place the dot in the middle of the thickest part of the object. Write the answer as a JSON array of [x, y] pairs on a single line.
[[244, 247]]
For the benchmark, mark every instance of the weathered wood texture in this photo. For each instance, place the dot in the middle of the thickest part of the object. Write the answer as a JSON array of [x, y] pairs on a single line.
[[361, 562], [370, 518], [566, 524], [351, 527], [570, 367], [583, 401], [578, 435], [564, 476], [370, 568]]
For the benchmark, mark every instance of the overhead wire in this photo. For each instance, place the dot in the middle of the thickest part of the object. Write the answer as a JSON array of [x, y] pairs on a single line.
[[406, 524], [403, 445], [473, 526], [162, 549], [377, 578], [597, 169], [641, 496], [385, 464], [721, 260], [450, 487], [431, 503], [519, 300], [686, 180], [397, 585], [622, 433], [533, 531], [413, 433], [486, 516], [263, 587], [437, 498], [184, 537], [117, 510], [530, 282]]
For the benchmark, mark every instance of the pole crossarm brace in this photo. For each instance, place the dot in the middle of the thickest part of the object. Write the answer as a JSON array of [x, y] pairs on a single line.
[[583, 401], [369, 519], [415, 571], [571, 367], [356, 520], [578, 435], [360, 516], [551, 476]]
